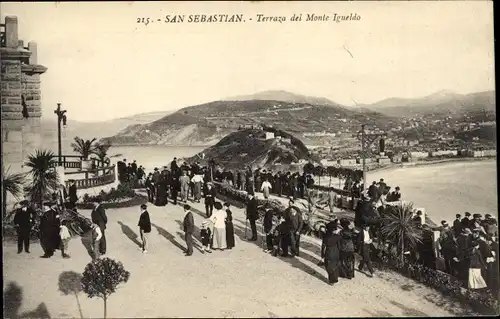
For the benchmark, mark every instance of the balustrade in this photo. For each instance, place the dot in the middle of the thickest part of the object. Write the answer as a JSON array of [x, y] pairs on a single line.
[[108, 177]]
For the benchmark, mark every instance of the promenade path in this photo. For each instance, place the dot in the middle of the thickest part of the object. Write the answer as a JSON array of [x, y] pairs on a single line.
[[242, 282]]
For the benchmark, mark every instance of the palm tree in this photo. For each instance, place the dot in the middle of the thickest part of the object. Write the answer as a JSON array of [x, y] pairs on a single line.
[[84, 147], [11, 183], [101, 151], [44, 177], [399, 228]]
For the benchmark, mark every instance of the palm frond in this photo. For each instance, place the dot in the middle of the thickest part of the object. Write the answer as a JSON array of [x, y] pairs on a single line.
[[398, 227], [84, 147], [13, 183], [44, 179]]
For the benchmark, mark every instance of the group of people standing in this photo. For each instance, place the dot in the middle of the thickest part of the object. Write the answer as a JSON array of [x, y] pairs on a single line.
[[219, 236], [130, 172], [470, 250]]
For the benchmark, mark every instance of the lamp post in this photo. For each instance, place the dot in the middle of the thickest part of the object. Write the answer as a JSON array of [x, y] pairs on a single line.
[[61, 116], [367, 139]]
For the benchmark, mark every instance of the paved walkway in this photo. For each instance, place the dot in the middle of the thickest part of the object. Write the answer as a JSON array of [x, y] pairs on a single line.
[[243, 282]]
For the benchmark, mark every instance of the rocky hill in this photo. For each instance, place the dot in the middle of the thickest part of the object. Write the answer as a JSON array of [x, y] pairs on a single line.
[[249, 147], [444, 103], [206, 124]]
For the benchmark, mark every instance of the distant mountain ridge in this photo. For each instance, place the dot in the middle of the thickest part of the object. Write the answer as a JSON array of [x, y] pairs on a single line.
[[89, 130], [206, 124], [280, 95], [442, 102]]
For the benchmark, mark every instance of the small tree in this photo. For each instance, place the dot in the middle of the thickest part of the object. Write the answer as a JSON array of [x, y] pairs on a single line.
[[84, 147], [44, 179], [101, 277], [399, 229], [70, 283]]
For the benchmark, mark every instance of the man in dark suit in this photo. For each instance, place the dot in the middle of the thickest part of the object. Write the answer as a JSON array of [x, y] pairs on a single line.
[[466, 221], [252, 215], [23, 220], [188, 225], [73, 196], [99, 218], [364, 243], [457, 225], [209, 194], [295, 222]]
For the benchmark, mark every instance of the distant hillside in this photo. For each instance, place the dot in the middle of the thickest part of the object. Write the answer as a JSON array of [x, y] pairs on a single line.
[[279, 95], [91, 129], [440, 103], [206, 124], [250, 148]]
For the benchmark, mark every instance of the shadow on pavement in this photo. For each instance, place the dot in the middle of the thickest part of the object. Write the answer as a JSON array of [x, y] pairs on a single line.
[[130, 234], [13, 299], [292, 261], [171, 238], [70, 283]]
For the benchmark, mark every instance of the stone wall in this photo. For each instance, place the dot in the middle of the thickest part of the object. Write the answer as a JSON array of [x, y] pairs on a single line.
[[20, 91]]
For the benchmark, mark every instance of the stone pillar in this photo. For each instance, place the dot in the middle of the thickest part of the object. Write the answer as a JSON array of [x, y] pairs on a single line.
[[12, 118], [11, 32]]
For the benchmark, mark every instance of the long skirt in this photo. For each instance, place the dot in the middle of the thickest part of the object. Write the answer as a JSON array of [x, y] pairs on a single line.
[[197, 191], [266, 193], [219, 238], [332, 268], [476, 280], [229, 235], [346, 264]]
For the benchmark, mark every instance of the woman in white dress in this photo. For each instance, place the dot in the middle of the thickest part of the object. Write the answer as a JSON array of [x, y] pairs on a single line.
[[218, 219]]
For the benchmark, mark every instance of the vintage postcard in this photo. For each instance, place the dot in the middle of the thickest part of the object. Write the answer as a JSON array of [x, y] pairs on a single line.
[[249, 159]]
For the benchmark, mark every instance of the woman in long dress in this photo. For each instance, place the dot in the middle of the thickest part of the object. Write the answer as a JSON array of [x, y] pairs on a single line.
[[229, 227], [266, 188], [476, 266], [347, 251], [330, 251], [218, 219]]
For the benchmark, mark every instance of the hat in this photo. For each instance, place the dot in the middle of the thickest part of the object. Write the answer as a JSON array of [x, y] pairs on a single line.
[[144, 206], [487, 216], [467, 214], [444, 223], [458, 215], [397, 188], [477, 216], [381, 179]]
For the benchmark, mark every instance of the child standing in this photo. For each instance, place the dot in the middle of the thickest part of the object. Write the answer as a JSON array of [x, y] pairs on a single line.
[[65, 237], [144, 227], [279, 231], [205, 235]]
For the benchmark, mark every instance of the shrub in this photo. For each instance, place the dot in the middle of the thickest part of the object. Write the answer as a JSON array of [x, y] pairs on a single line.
[[123, 191], [101, 278]]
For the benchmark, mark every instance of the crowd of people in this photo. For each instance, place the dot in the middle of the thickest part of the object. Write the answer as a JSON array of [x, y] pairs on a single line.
[[469, 248]]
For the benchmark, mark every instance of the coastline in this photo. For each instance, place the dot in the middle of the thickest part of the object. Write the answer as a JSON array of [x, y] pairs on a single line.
[[433, 162]]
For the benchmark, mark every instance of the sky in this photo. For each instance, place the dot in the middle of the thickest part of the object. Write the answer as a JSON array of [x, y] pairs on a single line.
[[102, 64]]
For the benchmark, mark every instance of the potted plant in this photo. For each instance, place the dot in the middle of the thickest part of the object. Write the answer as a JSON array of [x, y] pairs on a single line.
[[85, 148]]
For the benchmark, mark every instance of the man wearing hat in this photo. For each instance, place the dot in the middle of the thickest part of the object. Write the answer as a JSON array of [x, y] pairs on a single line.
[[24, 218], [99, 218], [489, 224], [448, 248], [209, 194], [72, 194], [464, 243], [476, 223], [457, 225], [144, 227], [394, 196], [252, 215], [466, 221], [373, 191], [364, 242], [188, 227]]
